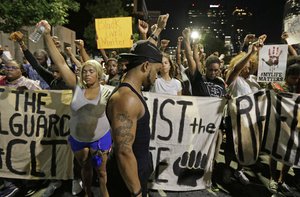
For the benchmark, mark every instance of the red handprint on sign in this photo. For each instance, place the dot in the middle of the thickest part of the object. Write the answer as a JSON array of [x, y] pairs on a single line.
[[274, 54]]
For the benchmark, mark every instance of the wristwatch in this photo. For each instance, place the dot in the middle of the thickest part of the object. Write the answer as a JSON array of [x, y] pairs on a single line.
[[154, 37]]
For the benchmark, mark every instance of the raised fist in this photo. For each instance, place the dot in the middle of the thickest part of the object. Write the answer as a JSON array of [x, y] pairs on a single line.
[[249, 38], [190, 167], [153, 28], [56, 41], [164, 43], [186, 33], [143, 27], [180, 39], [162, 21], [46, 25], [79, 43], [68, 50], [16, 36]]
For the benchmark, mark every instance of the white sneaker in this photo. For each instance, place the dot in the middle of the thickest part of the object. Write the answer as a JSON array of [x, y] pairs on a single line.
[[239, 174], [76, 186], [51, 188]]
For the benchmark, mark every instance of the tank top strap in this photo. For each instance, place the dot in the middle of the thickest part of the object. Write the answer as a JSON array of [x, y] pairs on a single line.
[[133, 90]]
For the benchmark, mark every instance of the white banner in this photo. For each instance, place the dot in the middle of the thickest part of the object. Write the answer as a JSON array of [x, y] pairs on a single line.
[[184, 131], [34, 130], [272, 63], [34, 126], [266, 122]]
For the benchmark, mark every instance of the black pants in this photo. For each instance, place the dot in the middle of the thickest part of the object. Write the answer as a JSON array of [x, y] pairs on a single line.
[[116, 186]]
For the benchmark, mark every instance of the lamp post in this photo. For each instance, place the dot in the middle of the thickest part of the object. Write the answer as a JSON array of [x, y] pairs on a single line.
[[195, 35]]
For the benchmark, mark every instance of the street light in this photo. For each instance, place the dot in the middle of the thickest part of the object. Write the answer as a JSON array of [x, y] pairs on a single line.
[[195, 35]]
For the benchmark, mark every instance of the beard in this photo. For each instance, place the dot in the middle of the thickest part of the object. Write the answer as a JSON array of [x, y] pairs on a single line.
[[147, 84]]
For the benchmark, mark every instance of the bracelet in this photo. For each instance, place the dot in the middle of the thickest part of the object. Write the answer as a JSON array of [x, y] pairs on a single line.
[[21, 43], [136, 194], [154, 37]]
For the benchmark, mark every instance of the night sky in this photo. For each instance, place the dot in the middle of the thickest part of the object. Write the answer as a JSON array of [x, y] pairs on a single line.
[[267, 15]]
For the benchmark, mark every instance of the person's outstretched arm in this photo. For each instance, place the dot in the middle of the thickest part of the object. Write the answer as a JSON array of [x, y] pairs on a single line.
[[196, 57], [80, 46], [178, 50], [240, 65], [68, 76], [72, 57], [103, 53], [192, 67], [42, 71], [143, 28], [292, 51], [161, 24]]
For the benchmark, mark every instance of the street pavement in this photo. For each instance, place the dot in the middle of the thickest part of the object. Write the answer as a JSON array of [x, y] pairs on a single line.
[[258, 175]]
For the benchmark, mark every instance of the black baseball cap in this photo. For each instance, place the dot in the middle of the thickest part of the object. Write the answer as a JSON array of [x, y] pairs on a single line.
[[142, 51]]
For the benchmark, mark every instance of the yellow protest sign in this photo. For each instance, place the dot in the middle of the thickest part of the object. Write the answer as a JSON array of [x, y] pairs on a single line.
[[114, 32]]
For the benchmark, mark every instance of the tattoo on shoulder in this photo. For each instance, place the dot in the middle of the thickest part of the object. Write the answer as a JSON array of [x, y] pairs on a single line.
[[125, 137]]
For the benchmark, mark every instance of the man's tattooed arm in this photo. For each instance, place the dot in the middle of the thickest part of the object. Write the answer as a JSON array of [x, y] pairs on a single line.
[[123, 133]]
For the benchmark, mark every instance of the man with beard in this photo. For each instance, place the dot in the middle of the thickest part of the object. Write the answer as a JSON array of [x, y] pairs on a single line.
[[129, 166]]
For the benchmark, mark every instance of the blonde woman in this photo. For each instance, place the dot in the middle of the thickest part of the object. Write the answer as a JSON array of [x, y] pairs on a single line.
[[90, 137]]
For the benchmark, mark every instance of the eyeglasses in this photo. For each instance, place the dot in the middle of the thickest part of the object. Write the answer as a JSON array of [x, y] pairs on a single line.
[[11, 67]]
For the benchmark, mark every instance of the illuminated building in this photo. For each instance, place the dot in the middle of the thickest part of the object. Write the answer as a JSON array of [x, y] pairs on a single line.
[[224, 21], [241, 21]]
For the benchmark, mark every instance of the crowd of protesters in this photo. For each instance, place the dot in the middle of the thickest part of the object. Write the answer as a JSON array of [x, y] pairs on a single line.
[[190, 72]]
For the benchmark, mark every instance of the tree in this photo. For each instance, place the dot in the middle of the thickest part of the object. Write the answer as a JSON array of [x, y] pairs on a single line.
[[15, 14], [101, 9]]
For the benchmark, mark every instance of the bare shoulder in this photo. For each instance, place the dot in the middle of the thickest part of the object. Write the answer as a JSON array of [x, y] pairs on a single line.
[[124, 100]]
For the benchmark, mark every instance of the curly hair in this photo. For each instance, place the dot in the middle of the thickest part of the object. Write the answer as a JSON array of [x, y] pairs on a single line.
[[237, 58]]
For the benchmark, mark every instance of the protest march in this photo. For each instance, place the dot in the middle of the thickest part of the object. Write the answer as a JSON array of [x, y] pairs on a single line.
[[132, 115]]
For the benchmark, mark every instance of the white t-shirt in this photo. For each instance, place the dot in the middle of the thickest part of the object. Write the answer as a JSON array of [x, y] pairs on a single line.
[[162, 86], [88, 121], [242, 86]]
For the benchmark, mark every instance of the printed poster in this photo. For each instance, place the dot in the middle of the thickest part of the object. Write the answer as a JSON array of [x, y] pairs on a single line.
[[272, 63]]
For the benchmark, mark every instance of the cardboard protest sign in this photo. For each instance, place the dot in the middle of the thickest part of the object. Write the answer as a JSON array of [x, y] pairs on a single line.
[[272, 63], [114, 32]]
